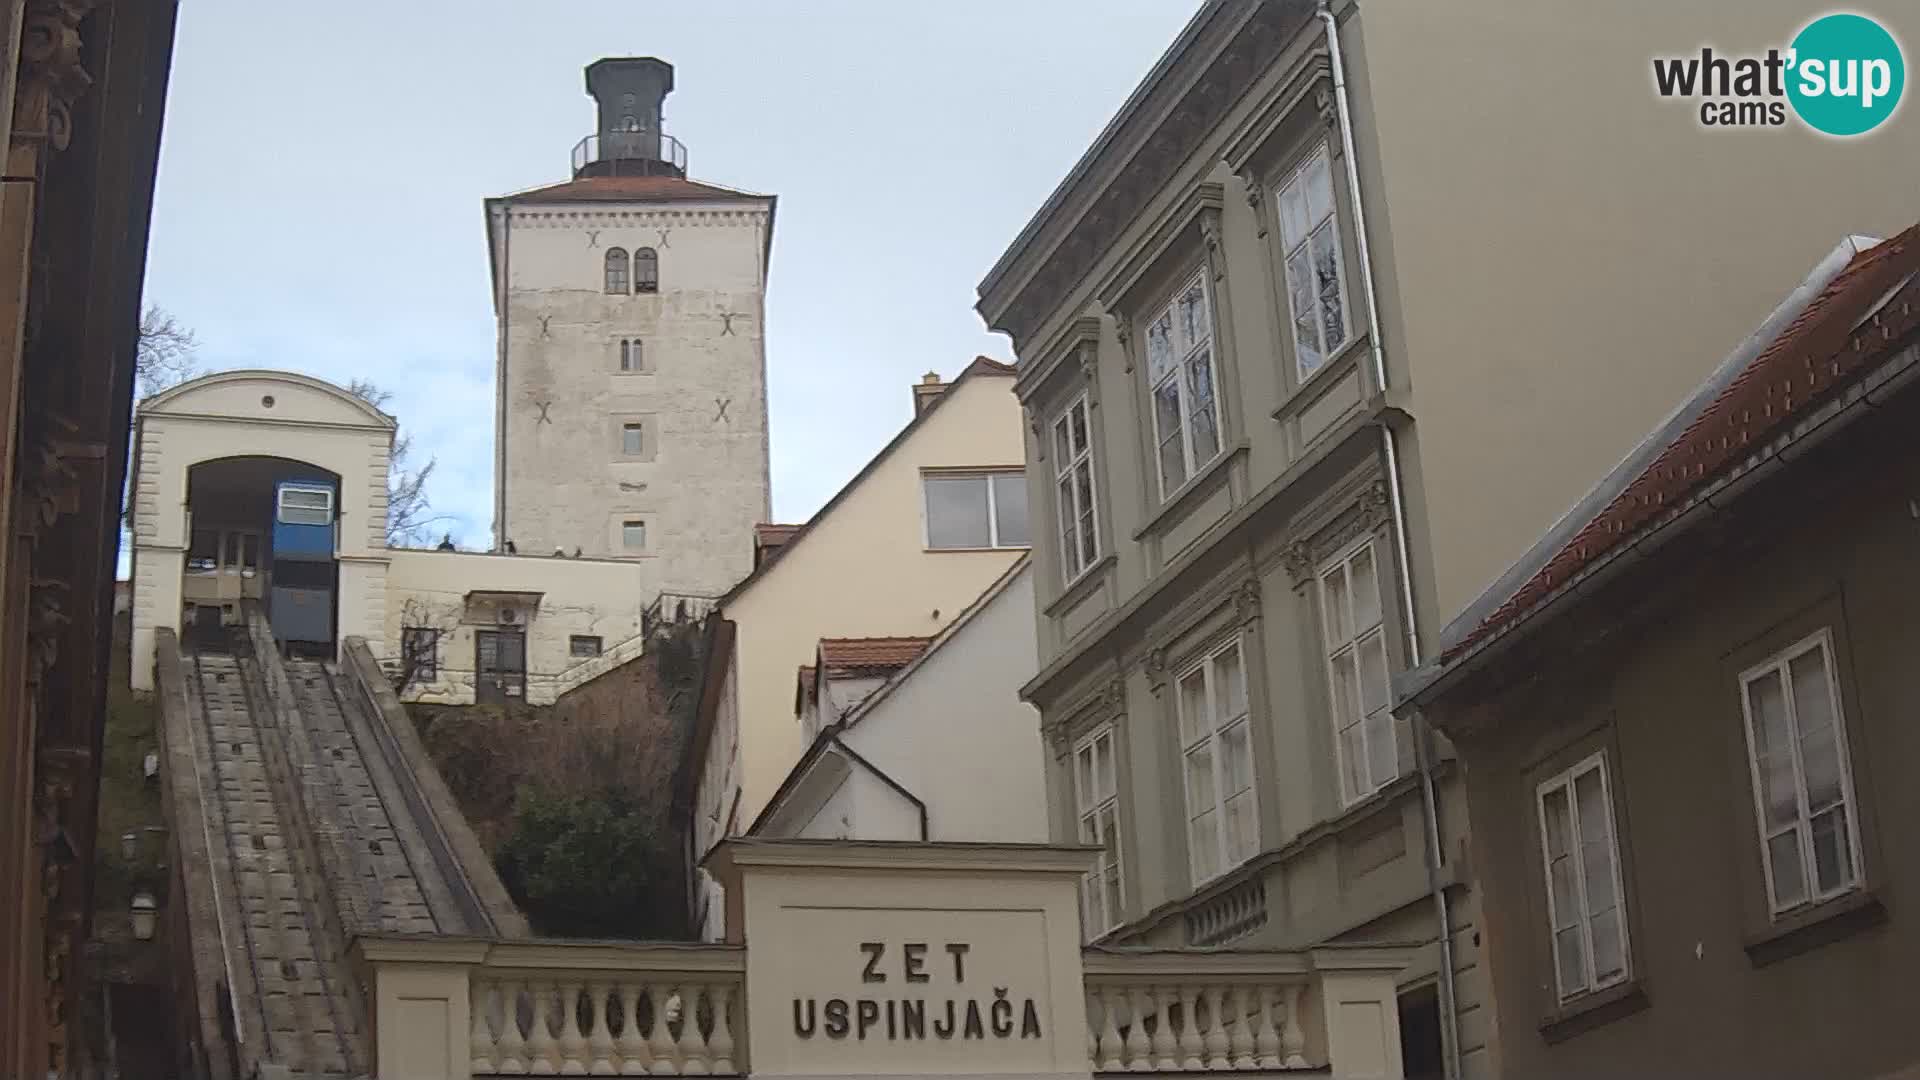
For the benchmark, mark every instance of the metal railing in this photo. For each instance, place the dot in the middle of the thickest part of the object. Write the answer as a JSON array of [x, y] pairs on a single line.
[[638, 152]]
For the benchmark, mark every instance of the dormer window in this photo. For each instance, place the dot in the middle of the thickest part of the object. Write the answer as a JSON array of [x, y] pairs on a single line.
[[646, 271], [617, 271]]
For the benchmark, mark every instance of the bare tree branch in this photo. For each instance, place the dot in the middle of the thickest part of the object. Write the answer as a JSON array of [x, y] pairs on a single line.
[[408, 519], [164, 354]]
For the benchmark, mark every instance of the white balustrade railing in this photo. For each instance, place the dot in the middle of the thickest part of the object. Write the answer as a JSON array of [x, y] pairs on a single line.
[[1195, 1011], [603, 1024]]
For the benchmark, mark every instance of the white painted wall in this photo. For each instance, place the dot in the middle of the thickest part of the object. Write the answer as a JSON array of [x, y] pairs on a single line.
[[599, 597], [267, 413], [953, 730], [701, 482]]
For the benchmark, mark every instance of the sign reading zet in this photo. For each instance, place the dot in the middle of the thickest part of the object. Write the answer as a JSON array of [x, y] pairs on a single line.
[[921, 1004]]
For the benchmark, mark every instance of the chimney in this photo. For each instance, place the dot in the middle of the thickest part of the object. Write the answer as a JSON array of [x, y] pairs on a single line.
[[925, 391], [628, 139]]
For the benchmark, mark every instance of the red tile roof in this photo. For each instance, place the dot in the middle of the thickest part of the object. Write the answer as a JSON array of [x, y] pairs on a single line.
[[1822, 349], [853, 656], [631, 189]]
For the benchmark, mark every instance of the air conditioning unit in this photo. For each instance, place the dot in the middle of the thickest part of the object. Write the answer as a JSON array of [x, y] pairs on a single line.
[[509, 616]]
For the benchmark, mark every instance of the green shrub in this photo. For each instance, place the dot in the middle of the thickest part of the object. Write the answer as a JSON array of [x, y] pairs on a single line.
[[591, 864]]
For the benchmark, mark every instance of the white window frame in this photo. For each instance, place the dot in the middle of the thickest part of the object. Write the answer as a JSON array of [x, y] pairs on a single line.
[[1564, 781], [1177, 374], [1216, 726], [326, 507], [993, 508], [1090, 807], [1332, 650], [1079, 520], [1298, 175], [1781, 663]]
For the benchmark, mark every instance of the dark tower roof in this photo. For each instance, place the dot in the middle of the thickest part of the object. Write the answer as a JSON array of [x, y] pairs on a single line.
[[628, 139]]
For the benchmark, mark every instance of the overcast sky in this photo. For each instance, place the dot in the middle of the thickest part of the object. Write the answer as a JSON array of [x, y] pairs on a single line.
[[321, 178]]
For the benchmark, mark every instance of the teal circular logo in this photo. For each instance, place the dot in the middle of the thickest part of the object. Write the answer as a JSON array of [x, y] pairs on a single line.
[[1845, 74]]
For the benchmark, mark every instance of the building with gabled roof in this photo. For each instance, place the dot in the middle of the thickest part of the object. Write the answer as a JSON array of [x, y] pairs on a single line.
[[1685, 718], [916, 536], [922, 739]]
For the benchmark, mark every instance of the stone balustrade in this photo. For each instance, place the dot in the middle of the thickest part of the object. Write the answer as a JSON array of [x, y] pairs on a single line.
[[558, 1008], [555, 1008], [1168, 1011]]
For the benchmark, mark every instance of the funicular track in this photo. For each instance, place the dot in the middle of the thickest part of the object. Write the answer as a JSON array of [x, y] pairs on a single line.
[[293, 978]]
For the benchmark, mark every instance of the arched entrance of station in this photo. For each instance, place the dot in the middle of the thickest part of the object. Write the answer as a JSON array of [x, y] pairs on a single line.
[[262, 530]]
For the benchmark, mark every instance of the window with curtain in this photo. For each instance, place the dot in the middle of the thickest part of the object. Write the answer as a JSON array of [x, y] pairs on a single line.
[[1216, 741], [1181, 379]]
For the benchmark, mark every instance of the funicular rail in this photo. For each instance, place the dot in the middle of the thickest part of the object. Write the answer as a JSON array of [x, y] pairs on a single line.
[[290, 982]]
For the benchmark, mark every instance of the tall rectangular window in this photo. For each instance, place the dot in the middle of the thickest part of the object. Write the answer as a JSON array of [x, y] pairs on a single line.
[[1096, 800], [420, 652], [1217, 751], [1073, 486], [1584, 899], [1316, 279], [631, 441], [977, 510], [1356, 646], [1180, 374], [633, 535], [1802, 781], [630, 354]]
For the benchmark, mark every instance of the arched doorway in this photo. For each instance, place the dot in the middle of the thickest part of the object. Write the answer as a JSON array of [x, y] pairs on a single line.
[[262, 530]]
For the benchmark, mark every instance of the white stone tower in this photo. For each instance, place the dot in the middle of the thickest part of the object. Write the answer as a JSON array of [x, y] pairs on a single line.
[[631, 406]]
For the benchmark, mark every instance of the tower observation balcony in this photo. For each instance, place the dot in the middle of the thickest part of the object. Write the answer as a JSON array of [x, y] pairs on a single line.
[[631, 152]]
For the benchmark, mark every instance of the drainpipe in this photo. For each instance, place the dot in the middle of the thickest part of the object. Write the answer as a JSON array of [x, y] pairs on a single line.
[[500, 392], [1390, 450]]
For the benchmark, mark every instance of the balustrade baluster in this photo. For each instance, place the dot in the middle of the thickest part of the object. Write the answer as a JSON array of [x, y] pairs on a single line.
[[1139, 1050], [1293, 1039], [632, 1045], [1110, 1047], [693, 1046], [511, 1059], [1190, 1028], [1240, 1037], [480, 1039], [1266, 1041], [721, 1043], [573, 1044], [1164, 999], [1216, 1028], [600, 1041], [660, 1043], [542, 1052]]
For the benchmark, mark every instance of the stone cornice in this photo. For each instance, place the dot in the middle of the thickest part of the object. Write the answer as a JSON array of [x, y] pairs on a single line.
[[736, 853], [1124, 191]]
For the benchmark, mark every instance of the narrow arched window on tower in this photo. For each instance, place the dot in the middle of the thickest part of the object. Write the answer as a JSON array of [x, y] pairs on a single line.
[[617, 271], [646, 270]]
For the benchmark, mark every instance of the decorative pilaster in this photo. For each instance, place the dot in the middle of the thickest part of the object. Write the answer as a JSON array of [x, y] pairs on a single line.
[[1246, 602], [1298, 559], [1123, 333]]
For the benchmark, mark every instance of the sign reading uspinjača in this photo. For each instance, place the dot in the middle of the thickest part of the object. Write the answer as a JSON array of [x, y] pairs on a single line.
[[918, 990]]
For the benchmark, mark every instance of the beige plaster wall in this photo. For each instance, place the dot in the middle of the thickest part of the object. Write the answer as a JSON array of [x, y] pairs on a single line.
[[1563, 254], [578, 596]]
